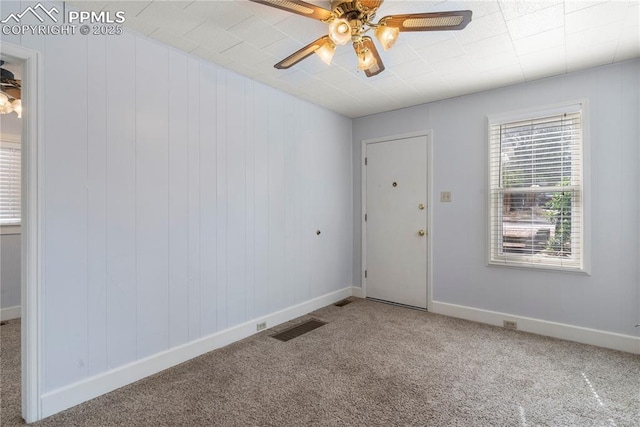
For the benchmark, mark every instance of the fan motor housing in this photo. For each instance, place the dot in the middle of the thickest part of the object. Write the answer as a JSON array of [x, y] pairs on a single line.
[[350, 10]]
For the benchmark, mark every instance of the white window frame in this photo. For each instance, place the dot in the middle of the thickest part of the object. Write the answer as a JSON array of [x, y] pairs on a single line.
[[531, 262], [11, 142]]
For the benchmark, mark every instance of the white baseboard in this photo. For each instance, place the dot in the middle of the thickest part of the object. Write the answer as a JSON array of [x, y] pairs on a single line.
[[357, 291], [74, 394], [10, 313], [563, 331]]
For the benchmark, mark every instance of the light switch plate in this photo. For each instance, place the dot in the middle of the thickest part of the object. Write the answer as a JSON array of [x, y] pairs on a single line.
[[445, 196]]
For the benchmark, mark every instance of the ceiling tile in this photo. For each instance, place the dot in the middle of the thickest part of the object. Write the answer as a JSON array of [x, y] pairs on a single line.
[[244, 53], [222, 14], [536, 22], [589, 56], [212, 37], [407, 69], [270, 15], [399, 54], [540, 41], [482, 28], [573, 5], [131, 8], [140, 25], [594, 36], [283, 48], [515, 8], [210, 55], [168, 16], [169, 38], [452, 65], [440, 51], [544, 63], [256, 32], [597, 16], [302, 29], [628, 48]]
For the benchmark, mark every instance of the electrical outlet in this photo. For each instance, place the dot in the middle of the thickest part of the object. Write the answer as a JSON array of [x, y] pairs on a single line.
[[260, 326], [510, 324], [445, 196]]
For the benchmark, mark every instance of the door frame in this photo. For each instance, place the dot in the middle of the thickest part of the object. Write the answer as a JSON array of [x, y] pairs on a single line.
[[31, 225], [429, 202]]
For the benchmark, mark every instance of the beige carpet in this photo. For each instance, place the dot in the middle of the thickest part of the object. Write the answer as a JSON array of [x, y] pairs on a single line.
[[372, 364]]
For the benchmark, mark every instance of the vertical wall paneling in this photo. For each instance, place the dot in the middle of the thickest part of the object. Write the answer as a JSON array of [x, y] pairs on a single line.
[[249, 213], [607, 147], [209, 215], [236, 200], [121, 201], [7, 8], [222, 197], [290, 139], [28, 39], [261, 191], [276, 202], [152, 191], [302, 228], [178, 199], [66, 214], [630, 206], [97, 205], [193, 195], [319, 205]]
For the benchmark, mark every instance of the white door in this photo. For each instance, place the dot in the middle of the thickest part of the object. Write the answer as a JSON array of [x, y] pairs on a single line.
[[396, 221]]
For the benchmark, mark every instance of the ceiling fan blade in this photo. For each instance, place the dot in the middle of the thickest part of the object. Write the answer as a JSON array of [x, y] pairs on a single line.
[[367, 43], [436, 21], [299, 7], [303, 53]]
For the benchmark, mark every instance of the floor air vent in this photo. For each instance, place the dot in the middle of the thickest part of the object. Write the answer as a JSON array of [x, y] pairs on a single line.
[[342, 303], [298, 330]]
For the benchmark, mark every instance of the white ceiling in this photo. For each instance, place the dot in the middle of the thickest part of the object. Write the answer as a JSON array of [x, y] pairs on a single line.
[[507, 42]]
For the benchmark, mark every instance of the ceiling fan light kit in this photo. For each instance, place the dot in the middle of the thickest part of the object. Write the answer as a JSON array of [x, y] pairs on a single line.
[[10, 93], [349, 21]]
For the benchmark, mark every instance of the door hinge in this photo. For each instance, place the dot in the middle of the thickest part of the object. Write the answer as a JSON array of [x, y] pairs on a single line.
[[365, 161], [365, 274], [365, 217]]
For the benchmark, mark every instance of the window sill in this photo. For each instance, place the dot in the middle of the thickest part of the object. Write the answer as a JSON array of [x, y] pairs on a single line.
[[10, 229], [510, 263]]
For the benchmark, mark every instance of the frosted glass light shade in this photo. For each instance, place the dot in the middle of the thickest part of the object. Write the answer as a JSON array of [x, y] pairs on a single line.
[[326, 52], [340, 31], [387, 36], [366, 60], [16, 104]]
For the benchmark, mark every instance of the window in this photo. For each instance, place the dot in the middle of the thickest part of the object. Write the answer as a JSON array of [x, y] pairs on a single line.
[[9, 183], [536, 190]]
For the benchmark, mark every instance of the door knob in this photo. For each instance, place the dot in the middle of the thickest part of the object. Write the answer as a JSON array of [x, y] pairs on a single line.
[[421, 206], [421, 232]]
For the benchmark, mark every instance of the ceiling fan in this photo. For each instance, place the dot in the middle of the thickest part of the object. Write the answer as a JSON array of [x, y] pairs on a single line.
[[351, 20], [10, 92]]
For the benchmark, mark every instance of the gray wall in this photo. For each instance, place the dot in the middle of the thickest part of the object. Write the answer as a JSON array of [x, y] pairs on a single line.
[[9, 270], [607, 299]]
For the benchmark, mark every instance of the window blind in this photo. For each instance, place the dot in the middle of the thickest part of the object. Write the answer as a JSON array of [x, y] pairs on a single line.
[[10, 183], [536, 185]]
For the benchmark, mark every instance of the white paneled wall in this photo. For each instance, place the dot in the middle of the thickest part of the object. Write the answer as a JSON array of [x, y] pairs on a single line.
[[181, 200]]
